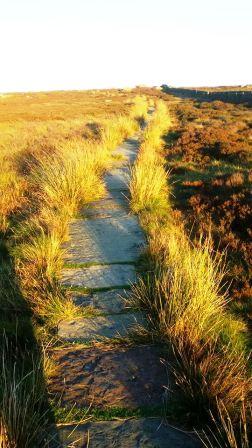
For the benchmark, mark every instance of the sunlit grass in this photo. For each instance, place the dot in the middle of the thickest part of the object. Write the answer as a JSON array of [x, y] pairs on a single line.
[[185, 295], [62, 175], [140, 108], [51, 168], [69, 179], [149, 180], [11, 193]]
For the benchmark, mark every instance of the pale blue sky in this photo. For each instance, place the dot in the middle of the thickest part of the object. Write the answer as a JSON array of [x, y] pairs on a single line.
[[79, 44]]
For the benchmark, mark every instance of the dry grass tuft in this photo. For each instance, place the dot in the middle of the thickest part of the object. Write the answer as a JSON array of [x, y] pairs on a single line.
[[12, 198], [23, 414], [140, 107], [184, 296], [69, 179], [223, 433], [149, 187]]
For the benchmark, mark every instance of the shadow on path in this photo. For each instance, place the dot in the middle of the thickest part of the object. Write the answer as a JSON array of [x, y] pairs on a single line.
[[25, 409]]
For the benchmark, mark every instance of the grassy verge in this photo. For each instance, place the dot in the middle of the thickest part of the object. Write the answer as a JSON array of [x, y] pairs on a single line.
[[44, 184], [58, 185], [24, 408], [185, 299]]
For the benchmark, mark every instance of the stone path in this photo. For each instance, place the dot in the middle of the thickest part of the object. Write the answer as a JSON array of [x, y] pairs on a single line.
[[100, 266], [131, 433]]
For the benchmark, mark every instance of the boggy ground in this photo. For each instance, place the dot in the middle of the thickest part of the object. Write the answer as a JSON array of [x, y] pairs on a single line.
[[209, 155]]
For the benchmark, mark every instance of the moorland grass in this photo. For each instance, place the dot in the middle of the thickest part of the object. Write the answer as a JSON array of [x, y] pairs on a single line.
[[187, 305], [148, 185], [24, 414], [52, 171], [224, 434], [59, 184]]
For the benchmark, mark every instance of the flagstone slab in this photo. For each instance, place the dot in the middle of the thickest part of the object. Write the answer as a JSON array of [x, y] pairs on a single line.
[[115, 239], [130, 433], [99, 327], [118, 179], [107, 207], [107, 302], [127, 377], [128, 150], [100, 276]]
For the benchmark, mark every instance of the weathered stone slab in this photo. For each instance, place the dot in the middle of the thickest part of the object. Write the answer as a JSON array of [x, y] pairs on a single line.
[[107, 207], [131, 433], [128, 149], [118, 179], [107, 302], [99, 327], [96, 277], [111, 240], [128, 377]]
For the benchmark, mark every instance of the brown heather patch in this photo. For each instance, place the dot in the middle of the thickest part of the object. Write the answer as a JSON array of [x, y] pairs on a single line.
[[211, 171]]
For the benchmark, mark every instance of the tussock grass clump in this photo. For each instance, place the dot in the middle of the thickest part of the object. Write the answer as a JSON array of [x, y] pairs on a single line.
[[39, 266], [139, 110], [117, 130], [224, 434], [149, 187], [69, 179], [23, 411], [43, 254], [12, 197], [185, 299]]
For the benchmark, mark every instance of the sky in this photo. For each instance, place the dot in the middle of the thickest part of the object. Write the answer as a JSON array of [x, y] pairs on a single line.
[[86, 44]]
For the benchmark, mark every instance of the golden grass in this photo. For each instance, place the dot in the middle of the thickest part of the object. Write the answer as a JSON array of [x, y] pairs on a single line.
[[39, 265], [139, 110], [34, 125], [184, 296], [116, 130], [43, 254], [62, 173], [183, 293], [68, 179], [12, 197], [51, 169], [149, 187], [68, 105]]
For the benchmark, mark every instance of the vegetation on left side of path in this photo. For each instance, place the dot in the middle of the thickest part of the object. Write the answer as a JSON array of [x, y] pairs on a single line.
[[48, 176]]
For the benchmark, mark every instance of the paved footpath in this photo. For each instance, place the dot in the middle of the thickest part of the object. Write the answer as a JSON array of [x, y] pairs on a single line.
[[96, 368]]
